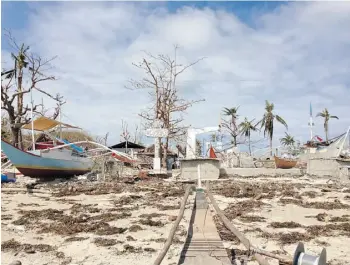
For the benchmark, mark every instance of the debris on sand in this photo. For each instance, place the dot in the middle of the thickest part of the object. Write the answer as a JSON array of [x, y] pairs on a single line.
[[130, 238], [310, 194], [131, 249], [127, 199], [151, 222], [316, 205], [343, 218], [81, 208], [135, 228], [71, 227], [13, 245], [150, 215], [251, 218], [108, 217], [27, 204], [292, 238], [75, 238], [322, 217], [149, 249], [224, 233], [164, 207], [32, 216], [285, 225], [89, 189], [328, 229], [5, 217], [158, 240], [238, 209], [104, 242]]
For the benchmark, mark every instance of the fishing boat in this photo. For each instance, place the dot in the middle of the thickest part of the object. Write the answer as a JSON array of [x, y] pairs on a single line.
[[55, 158], [285, 163]]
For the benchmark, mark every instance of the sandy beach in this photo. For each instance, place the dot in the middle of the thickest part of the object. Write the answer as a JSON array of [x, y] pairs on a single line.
[[89, 223]]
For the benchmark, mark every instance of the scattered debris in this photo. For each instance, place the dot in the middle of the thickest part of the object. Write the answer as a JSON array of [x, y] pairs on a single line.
[[285, 225], [150, 222], [135, 228], [104, 242], [75, 238]]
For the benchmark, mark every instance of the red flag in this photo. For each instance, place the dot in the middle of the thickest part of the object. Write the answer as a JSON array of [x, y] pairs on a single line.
[[212, 153]]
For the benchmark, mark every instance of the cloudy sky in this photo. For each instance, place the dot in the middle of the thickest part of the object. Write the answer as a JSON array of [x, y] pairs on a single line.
[[287, 53]]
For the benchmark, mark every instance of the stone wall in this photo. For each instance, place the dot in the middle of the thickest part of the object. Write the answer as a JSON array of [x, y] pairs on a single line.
[[329, 167], [209, 169]]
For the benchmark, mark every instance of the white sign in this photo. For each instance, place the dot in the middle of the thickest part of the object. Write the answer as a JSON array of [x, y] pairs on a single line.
[[157, 133]]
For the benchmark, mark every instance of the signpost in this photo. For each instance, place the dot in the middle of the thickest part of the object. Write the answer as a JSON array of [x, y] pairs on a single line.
[[157, 132]]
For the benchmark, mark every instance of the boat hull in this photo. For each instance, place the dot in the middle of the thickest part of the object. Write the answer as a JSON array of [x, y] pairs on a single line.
[[285, 163], [57, 163]]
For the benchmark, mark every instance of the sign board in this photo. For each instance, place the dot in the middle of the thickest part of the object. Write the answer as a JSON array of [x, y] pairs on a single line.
[[157, 133]]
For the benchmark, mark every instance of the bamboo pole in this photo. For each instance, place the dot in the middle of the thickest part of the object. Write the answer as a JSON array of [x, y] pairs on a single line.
[[168, 242]]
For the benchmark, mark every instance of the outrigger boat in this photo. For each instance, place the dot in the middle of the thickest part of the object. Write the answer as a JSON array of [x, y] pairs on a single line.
[[56, 157], [48, 159]]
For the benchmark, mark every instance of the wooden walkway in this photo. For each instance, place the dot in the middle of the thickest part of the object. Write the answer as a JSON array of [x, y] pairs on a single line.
[[203, 245]]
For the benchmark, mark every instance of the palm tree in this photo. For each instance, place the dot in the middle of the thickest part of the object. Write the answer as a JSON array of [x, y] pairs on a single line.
[[233, 113], [287, 140], [246, 127], [325, 114], [268, 121]]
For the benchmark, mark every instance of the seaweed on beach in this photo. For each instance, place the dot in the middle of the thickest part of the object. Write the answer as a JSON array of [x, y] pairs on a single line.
[[235, 210], [135, 228], [104, 242], [151, 222], [285, 225], [75, 238], [13, 245], [251, 218]]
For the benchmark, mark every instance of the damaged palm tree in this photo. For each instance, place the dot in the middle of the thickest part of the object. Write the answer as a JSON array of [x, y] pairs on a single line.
[[161, 74], [268, 121]]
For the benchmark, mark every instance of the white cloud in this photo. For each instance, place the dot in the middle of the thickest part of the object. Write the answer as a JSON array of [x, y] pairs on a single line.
[[293, 55]]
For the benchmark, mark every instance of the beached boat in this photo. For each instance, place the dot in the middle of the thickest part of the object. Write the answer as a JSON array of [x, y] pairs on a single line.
[[285, 163], [47, 163], [55, 158]]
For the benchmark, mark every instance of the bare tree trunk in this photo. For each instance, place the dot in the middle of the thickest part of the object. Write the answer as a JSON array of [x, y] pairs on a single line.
[[15, 136], [326, 131]]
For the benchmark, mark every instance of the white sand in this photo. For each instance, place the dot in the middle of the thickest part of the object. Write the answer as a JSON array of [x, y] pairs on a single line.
[[87, 252]]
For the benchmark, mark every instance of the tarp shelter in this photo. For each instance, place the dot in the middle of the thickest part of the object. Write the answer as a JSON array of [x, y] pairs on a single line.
[[45, 124]]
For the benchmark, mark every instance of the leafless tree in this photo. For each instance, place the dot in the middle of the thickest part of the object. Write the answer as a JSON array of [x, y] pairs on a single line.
[[27, 67], [125, 135], [161, 74]]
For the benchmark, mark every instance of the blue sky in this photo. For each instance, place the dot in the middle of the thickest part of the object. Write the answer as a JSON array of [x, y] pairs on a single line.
[[255, 51]]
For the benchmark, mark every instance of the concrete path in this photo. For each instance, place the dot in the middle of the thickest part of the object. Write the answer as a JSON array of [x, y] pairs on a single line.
[[203, 245]]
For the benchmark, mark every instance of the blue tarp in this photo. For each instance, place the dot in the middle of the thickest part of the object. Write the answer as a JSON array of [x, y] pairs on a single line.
[[75, 147], [5, 179]]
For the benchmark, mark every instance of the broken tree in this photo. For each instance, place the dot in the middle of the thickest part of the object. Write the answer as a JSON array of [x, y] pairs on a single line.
[[28, 68], [161, 74]]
